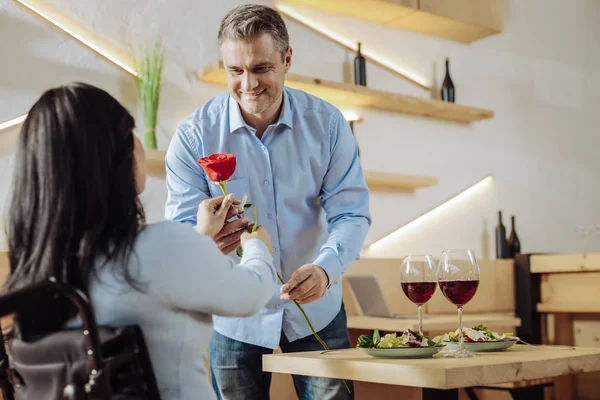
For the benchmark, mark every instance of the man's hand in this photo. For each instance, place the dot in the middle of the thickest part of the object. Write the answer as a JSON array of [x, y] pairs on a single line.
[[228, 238], [211, 221], [306, 285]]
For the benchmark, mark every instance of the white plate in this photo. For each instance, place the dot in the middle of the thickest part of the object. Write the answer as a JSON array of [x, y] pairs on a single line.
[[483, 346], [402, 352]]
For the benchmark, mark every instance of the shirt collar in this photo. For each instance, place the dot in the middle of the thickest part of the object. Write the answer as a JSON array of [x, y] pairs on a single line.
[[286, 117], [236, 121]]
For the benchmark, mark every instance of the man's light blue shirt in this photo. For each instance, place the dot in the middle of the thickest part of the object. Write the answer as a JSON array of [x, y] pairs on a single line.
[[305, 178]]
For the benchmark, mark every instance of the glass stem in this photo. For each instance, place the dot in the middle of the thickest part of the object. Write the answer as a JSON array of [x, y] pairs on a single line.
[[420, 313], [461, 339]]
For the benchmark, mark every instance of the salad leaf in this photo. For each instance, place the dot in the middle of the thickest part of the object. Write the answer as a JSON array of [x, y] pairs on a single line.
[[479, 333], [365, 341], [416, 334], [437, 343], [408, 338], [376, 337], [391, 340], [413, 339]]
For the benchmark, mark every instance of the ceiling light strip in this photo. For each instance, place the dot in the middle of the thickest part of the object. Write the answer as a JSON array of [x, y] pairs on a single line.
[[46, 12], [12, 122], [352, 45], [391, 237]]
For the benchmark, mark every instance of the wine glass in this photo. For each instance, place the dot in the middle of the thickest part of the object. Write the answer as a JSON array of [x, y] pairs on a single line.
[[458, 276], [418, 280]]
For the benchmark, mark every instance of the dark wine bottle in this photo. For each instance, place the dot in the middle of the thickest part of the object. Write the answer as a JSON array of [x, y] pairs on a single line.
[[447, 92], [360, 72], [501, 243], [514, 245]]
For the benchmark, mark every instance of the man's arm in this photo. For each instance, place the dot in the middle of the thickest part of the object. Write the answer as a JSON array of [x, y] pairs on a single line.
[[187, 187], [345, 199]]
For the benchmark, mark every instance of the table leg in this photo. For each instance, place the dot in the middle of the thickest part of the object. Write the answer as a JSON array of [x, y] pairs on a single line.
[[471, 394], [564, 386], [439, 394]]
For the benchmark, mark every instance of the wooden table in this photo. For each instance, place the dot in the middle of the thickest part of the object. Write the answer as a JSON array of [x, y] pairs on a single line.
[[446, 322], [440, 377]]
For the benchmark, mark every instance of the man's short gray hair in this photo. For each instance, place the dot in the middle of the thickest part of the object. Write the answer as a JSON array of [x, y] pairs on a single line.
[[250, 21]]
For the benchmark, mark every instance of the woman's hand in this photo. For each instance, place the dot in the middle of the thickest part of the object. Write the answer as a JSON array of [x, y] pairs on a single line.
[[262, 234], [213, 212]]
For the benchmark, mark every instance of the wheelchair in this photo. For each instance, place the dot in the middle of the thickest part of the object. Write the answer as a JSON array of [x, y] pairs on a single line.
[[89, 363]]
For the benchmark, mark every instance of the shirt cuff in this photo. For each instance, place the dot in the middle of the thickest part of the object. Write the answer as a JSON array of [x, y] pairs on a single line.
[[332, 266], [255, 248]]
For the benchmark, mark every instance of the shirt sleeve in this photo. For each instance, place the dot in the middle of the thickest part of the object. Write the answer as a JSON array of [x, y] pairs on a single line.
[[196, 276], [345, 199], [186, 181]]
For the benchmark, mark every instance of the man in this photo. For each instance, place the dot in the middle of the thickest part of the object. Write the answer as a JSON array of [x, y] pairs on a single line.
[[297, 161]]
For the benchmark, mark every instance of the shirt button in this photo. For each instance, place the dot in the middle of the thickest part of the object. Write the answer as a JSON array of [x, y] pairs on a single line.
[[263, 148], [266, 182], [273, 248], [270, 216], [278, 306]]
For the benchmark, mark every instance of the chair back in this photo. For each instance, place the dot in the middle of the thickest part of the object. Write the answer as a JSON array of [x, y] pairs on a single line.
[[99, 363]]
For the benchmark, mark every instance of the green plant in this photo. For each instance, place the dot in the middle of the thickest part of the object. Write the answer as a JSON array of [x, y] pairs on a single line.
[[149, 62]]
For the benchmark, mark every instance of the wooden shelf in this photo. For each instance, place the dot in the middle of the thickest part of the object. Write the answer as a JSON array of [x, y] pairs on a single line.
[[344, 94], [458, 20], [390, 181], [155, 159]]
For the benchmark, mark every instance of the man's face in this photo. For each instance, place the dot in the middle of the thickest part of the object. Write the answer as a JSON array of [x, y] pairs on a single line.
[[255, 73]]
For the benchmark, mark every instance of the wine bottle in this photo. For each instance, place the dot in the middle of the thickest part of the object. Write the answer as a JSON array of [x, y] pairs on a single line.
[[514, 245], [360, 73], [447, 91], [501, 243]]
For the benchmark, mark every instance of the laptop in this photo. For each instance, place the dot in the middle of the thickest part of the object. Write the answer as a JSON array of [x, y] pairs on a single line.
[[371, 299]]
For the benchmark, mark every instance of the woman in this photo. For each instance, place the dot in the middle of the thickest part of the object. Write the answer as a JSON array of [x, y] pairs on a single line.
[[75, 215]]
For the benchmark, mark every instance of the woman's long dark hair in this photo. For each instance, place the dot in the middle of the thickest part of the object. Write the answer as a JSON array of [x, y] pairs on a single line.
[[74, 202]]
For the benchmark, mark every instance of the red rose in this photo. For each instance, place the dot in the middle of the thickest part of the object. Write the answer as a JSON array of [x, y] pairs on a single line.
[[218, 167]]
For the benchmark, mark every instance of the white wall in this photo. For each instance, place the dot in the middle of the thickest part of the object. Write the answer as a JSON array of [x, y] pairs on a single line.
[[540, 76]]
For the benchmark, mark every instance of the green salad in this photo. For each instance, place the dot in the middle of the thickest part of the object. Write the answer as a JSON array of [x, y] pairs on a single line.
[[480, 333], [408, 338]]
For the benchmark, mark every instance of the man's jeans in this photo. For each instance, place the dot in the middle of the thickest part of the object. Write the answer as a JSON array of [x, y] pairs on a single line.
[[237, 374]]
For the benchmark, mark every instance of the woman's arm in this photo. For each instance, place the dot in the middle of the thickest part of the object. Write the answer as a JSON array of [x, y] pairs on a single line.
[[196, 276]]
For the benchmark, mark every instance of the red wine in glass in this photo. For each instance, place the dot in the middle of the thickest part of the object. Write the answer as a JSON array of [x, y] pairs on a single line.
[[459, 292], [419, 292], [458, 276], [418, 279]]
